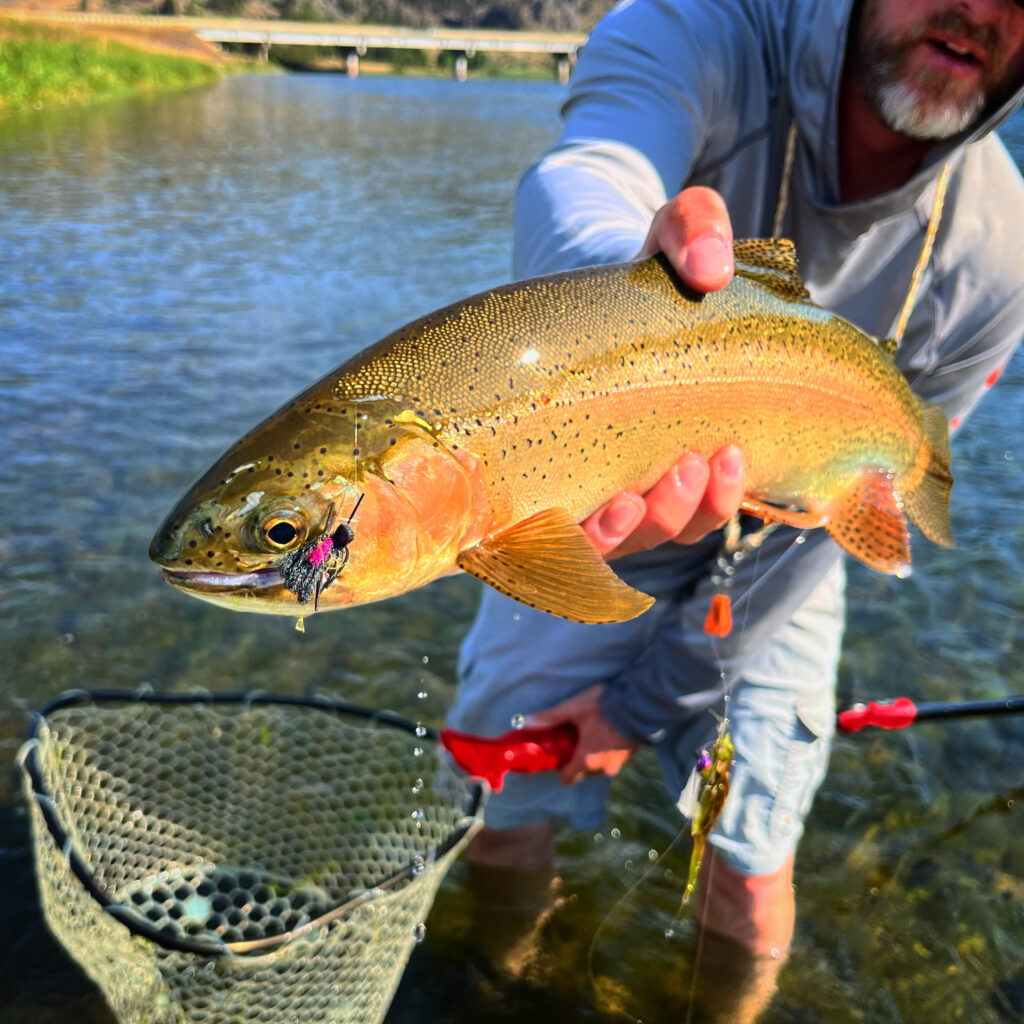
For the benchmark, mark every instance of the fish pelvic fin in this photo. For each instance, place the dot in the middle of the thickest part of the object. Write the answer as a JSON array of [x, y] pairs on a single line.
[[548, 562], [926, 491], [867, 521]]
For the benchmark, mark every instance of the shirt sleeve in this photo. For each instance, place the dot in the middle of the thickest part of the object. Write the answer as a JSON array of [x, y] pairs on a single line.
[[651, 79]]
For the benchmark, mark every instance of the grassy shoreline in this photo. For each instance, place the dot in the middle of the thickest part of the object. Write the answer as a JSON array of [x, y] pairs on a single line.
[[45, 66]]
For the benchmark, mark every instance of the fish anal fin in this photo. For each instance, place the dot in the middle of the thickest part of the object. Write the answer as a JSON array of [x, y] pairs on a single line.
[[787, 516], [547, 562], [772, 262], [867, 521]]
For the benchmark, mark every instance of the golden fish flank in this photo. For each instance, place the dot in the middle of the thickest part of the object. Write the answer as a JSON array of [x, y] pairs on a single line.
[[479, 436]]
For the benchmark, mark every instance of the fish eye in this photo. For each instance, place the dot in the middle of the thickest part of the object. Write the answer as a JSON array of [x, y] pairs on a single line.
[[279, 527]]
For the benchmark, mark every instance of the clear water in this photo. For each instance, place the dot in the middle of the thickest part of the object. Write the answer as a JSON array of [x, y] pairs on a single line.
[[173, 269]]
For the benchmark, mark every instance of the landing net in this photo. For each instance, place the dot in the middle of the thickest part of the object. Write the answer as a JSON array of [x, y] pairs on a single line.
[[235, 858]]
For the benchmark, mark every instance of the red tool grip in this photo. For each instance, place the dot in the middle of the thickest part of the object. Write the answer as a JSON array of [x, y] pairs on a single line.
[[896, 714], [518, 750]]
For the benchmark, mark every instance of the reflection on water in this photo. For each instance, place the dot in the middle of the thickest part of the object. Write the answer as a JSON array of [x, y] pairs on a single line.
[[172, 269]]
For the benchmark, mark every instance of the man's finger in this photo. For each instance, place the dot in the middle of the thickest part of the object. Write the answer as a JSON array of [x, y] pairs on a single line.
[[694, 231], [609, 526], [668, 506], [721, 497]]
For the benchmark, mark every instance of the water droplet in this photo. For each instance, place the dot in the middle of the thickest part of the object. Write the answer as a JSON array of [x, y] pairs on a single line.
[[516, 616], [670, 933], [417, 786], [800, 539], [598, 837], [426, 659], [217, 732], [775, 953], [417, 815], [518, 721], [422, 695], [628, 865], [419, 932], [68, 638], [652, 855], [615, 834], [417, 751], [421, 730], [419, 865]]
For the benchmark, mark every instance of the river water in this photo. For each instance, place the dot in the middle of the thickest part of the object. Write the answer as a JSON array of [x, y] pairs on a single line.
[[173, 269]]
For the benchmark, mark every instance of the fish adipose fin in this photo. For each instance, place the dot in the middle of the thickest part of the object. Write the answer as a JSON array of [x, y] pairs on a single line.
[[772, 261], [927, 504], [548, 562]]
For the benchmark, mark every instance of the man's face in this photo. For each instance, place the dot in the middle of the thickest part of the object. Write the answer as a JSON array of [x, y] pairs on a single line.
[[931, 68]]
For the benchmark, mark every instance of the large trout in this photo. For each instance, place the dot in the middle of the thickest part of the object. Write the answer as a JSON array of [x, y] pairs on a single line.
[[478, 437]]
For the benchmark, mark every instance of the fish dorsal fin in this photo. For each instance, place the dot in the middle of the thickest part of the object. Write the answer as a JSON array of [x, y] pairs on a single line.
[[772, 261], [867, 521], [890, 346], [547, 562]]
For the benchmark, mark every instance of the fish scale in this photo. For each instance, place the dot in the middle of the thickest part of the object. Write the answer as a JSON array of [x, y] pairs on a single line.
[[478, 437]]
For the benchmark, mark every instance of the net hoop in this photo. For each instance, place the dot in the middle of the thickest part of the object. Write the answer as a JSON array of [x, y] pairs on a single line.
[[135, 922]]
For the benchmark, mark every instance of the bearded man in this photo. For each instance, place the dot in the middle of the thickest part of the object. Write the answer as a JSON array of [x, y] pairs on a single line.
[[865, 131]]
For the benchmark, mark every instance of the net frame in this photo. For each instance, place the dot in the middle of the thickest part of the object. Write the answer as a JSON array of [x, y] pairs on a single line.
[[339, 913]]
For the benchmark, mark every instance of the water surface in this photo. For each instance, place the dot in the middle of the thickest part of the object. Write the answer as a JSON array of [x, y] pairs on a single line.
[[173, 269]]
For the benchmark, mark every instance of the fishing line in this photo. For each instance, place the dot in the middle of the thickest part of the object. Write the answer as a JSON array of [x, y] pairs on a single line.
[[724, 574]]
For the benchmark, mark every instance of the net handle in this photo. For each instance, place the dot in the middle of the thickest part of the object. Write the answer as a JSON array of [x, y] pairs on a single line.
[[139, 925]]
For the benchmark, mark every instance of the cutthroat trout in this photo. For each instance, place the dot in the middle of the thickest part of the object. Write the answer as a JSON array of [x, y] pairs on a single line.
[[478, 437]]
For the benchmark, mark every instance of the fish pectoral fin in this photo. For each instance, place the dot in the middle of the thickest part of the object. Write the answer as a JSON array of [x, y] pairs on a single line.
[[867, 521], [549, 563], [787, 516], [772, 262]]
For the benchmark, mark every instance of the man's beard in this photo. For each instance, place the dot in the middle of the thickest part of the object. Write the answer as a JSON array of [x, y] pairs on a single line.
[[906, 112], [923, 104]]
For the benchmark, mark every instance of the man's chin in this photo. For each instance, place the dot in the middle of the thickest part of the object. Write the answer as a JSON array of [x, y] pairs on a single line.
[[905, 111]]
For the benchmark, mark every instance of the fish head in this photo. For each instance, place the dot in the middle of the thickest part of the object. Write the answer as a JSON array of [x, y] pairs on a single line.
[[290, 520]]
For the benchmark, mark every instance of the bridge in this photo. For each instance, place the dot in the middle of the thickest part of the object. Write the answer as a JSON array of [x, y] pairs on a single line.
[[353, 40]]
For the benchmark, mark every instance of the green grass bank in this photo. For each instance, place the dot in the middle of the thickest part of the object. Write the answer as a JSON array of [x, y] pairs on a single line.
[[43, 66]]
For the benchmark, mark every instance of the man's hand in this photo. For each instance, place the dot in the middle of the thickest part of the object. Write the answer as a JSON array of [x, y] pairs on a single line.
[[694, 497], [697, 495], [599, 748]]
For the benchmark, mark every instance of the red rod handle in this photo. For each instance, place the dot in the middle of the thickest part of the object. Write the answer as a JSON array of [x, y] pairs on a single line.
[[895, 714], [518, 750]]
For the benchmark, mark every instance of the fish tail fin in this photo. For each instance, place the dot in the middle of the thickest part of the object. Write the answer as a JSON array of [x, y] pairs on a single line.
[[926, 495], [867, 521]]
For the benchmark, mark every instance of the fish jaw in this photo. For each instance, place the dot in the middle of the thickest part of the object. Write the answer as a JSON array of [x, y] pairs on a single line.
[[262, 591]]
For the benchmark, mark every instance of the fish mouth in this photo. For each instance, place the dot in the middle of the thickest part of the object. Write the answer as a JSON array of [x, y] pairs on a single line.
[[205, 582]]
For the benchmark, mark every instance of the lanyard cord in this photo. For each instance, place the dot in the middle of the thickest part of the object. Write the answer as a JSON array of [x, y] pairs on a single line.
[[929, 237]]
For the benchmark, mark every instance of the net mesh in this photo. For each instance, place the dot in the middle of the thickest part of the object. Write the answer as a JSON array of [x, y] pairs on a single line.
[[300, 846]]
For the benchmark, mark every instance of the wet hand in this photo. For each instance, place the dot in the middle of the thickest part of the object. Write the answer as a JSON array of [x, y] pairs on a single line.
[[695, 497], [600, 749]]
